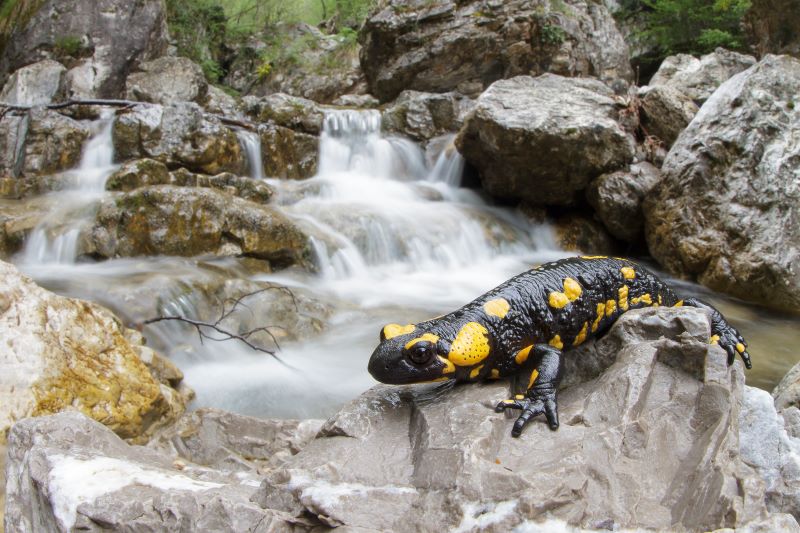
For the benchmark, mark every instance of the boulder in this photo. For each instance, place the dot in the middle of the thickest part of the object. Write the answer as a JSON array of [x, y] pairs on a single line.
[[287, 153], [423, 116], [542, 140], [13, 130], [53, 142], [106, 37], [787, 392], [138, 173], [773, 27], [665, 112], [178, 134], [726, 209], [698, 78], [167, 80], [169, 220], [69, 473], [464, 46], [299, 114], [37, 84], [66, 354], [577, 233], [617, 199], [221, 103], [649, 443]]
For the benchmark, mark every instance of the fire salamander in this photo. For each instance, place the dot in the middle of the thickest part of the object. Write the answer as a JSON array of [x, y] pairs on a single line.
[[521, 328]]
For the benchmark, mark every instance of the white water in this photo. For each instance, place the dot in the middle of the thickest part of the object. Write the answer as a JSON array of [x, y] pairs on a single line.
[[252, 147], [395, 239]]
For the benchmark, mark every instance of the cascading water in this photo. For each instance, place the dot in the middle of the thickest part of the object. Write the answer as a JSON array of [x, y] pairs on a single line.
[[55, 240], [252, 147]]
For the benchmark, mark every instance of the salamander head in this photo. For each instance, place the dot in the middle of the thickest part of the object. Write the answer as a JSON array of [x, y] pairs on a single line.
[[409, 355]]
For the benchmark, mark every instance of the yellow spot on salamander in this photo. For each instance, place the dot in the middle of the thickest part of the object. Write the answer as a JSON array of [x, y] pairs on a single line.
[[594, 257], [449, 367], [582, 335], [393, 330], [645, 299], [623, 297], [601, 310], [519, 396], [572, 289], [557, 300], [471, 345], [740, 347], [534, 375], [498, 307], [714, 339], [628, 272], [660, 300], [494, 374], [555, 342], [430, 337], [611, 306], [679, 304], [523, 354], [475, 371], [437, 380]]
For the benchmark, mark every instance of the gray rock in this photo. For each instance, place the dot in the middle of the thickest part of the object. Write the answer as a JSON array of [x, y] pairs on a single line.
[[138, 173], [617, 199], [13, 131], [650, 443], [727, 209], [287, 153], [109, 36], [52, 142], [441, 45], [576, 232], [219, 102], [666, 111], [37, 84], [69, 473], [787, 393], [167, 80], [178, 134], [169, 220], [542, 140], [423, 116], [359, 101], [699, 78], [299, 114]]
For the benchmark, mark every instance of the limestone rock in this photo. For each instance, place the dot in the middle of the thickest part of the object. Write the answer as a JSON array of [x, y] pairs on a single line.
[[299, 114], [726, 209], [13, 130], [287, 153], [464, 46], [577, 233], [138, 173], [699, 78], [68, 473], [37, 84], [178, 134], [542, 140], [169, 220], [423, 116], [166, 80], [649, 443], [787, 393], [52, 142], [617, 199], [666, 112], [107, 37], [64, 354], [219, 102]]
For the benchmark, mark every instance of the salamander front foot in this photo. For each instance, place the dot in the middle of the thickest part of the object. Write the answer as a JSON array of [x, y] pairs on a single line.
[[538, 401]]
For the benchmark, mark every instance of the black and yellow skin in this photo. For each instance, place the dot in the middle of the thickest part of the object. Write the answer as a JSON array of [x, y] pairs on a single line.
[[521, 328]]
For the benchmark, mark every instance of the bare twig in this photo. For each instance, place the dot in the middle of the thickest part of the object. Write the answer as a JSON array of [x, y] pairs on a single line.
[[228, 307]]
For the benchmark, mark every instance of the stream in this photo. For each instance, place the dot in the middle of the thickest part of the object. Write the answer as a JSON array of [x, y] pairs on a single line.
[[395, 239]]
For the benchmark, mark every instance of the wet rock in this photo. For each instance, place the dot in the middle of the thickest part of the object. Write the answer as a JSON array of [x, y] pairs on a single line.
[[178, 134], [442, 46], [666, 111], [617, 199], [68, 473], [105, 37], [287, 153], [358, 101], [542, 140], [649, 443], [13, 130], [787, 393], [138, 173], [699, 78], [37, 84], [166, 80], [219, 102], [65, 354], [423, 116], [299, 114], [169, 220], [773, 27], [726, 209], [578, 233], [52, 143]]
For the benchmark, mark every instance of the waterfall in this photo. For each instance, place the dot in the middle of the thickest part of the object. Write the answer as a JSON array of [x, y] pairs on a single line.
[[56, 239], [251, 143]]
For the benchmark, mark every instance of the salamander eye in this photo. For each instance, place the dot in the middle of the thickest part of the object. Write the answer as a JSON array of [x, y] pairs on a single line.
[[421, 353]]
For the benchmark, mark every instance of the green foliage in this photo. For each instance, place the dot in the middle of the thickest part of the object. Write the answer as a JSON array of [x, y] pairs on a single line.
[[68, 46], [694, 26], [552, 34], [199, 28]]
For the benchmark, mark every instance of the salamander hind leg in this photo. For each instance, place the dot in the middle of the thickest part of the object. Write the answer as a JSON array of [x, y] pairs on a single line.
[[723, 333], [540, 395]]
